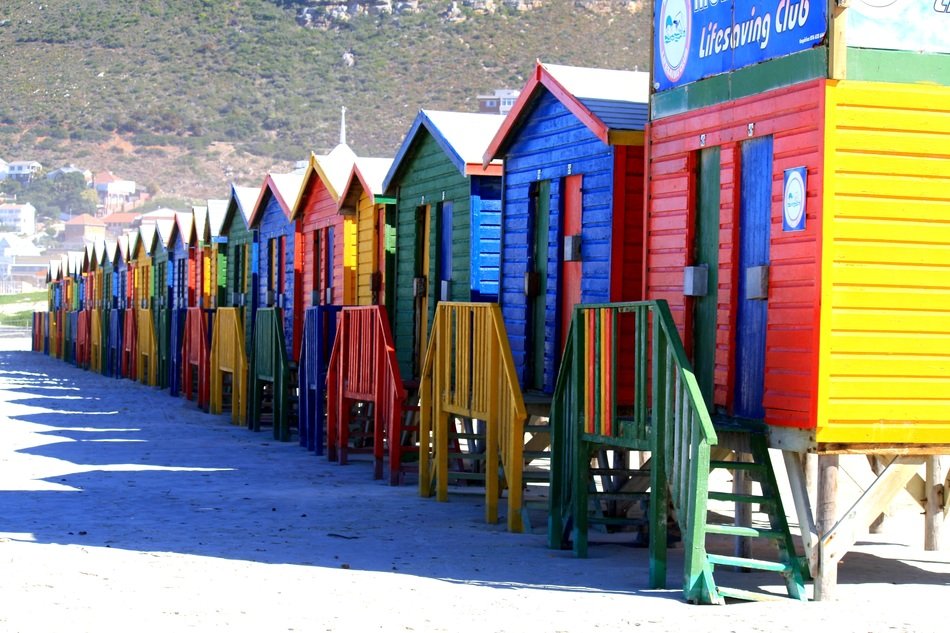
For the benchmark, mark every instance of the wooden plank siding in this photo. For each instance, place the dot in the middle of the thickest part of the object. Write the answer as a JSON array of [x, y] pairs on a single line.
[[551, 144], [885, 314], [242, 275], [318, 211], [794, 117], [428, 177], [273, 223], [367, 247]]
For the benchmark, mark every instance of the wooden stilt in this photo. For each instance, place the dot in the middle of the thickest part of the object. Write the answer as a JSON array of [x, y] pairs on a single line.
[[797, 481], [827, 579], [936, 535], [877, 466]]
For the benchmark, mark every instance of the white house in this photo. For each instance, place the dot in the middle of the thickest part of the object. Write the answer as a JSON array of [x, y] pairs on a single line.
[[24, 170], [4, 169], [18, 218]]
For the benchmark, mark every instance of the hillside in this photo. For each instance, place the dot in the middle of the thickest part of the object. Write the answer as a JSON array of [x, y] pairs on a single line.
[[185, 95]]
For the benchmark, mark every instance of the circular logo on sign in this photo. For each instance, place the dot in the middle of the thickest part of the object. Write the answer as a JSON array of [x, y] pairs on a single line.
[[794, 204], [674, 29]]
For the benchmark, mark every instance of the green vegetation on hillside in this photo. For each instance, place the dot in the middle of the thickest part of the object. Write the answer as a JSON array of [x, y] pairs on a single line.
[[155, 84]]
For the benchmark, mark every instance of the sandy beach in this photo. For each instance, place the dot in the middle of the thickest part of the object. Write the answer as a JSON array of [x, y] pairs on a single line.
[[124, 509]]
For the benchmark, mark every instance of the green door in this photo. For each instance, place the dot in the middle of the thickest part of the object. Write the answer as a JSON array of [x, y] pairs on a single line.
[[706, 255], [537, 287]]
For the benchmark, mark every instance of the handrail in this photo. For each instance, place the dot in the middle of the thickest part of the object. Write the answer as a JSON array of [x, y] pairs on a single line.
[[460, 377], [96, 350], [195, 354], [319, 332], [227, 356], [683, 436], [363, 367], [146, 355], [677, 430], [269, 363]]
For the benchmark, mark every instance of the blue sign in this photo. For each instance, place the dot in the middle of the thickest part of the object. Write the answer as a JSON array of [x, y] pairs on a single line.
[[700, 38], [794, 193]]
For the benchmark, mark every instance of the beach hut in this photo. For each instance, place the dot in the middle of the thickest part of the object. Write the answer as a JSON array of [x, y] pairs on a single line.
[[276, 332], [114, 301], [796, 227], [233, 325], [362, 198], [144, 352], [181, 275], [126, 337], [162, 308], [573, 150], [447, 222]]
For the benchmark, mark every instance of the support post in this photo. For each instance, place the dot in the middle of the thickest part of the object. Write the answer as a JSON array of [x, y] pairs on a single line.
[[936, 535], [827, 579], [742, 485]]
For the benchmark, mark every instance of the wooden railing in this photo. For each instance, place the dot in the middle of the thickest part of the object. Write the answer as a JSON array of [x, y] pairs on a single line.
[[96, 339], [643, 396], [40, 334], [269, 364], [130, 339], [146, 348], [363, 368], [319, 332], [83, 337], [114, 344], [228, 357], [469, 372], [196, 356]]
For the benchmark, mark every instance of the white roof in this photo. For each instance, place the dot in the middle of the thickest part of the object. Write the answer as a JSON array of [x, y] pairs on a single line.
[[288, 186], [374, 172], [600, 83], [216, 211], [246, 199], [469, 133], [336, 167]]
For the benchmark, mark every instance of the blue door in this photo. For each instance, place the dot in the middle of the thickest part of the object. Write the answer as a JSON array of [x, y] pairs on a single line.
[[755, 223]]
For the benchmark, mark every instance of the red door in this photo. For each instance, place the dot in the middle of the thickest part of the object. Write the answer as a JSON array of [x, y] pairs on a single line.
[[571, 266]]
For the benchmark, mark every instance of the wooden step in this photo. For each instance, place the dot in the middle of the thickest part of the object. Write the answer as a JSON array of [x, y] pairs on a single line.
[[738, 530], [735, 497], [748, 563], [752, 596], [743, 466]]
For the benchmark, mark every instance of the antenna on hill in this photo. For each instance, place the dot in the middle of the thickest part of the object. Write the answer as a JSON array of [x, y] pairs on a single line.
[[342, 125]]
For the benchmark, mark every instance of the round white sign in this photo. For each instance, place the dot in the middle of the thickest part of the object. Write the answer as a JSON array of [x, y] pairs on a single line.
[[674, 37], [793, 205]]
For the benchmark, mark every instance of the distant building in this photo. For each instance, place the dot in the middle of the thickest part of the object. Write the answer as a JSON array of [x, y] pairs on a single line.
[[71, 169], [24, 170], [20, 261], [115, 194], [84, 229], [118, 223], [4, 169], [500, 102], [18, 218]]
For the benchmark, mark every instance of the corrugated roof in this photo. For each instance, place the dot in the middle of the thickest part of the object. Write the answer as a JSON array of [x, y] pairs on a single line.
[[186, 225], [619, 115]]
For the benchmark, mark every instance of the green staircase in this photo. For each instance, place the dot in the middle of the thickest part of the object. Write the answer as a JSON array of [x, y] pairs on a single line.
[[609, 404], [744, 451]]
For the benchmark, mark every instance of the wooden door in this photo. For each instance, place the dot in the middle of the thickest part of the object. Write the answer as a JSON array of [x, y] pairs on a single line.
[[421, 289], [755, 210], [540, 218], [571, 271], [706, 255]]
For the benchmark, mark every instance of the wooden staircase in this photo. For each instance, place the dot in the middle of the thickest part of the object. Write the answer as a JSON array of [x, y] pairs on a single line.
[[608, 404], [743, 452]]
